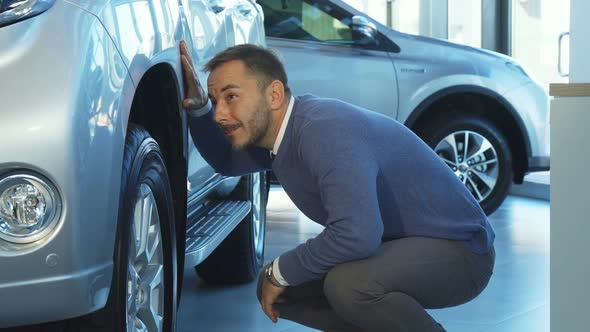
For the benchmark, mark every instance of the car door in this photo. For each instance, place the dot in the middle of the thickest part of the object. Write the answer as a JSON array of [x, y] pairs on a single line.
[[216, 25], [209, 37], [315, 39]]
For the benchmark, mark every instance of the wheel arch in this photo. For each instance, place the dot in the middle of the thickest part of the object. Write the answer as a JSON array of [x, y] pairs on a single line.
[[156, 107], [480, 101]]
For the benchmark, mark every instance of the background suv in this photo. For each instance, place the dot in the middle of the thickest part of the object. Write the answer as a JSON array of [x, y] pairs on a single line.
[[479, 110], [103, 197]]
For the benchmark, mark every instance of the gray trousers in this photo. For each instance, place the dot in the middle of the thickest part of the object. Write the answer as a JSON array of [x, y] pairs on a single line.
[[390, 290]]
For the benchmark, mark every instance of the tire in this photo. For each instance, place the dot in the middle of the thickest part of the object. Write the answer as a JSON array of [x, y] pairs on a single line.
[[146, 261], [239, 258], [487, 169]]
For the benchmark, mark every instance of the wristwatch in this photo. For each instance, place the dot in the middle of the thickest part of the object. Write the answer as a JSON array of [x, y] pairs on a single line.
[[269, 276]]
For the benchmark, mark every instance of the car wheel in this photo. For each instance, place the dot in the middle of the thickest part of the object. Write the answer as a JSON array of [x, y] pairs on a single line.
[[478, 153], [240, 256], [145, 253], [143, 294]]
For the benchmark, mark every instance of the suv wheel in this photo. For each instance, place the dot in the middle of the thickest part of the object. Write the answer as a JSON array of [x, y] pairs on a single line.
[[143, 293], [478, 153], [241, 255]]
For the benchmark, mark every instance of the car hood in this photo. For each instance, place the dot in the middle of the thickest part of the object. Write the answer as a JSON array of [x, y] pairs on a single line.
[[474, 60], [398, 37]]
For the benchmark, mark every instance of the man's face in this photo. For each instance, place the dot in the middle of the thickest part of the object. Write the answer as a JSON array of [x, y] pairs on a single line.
[[241, 109]]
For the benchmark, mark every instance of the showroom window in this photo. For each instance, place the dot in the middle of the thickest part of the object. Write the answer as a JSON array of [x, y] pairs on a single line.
[[465, 22], [459, 21], [406, 16], [536, 27]]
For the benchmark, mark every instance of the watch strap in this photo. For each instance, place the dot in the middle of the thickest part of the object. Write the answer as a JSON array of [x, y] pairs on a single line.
[[268, 274]]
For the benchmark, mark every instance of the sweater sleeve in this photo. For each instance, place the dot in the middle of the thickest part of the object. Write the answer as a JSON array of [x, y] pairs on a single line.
[[217, 150], [341, 161]]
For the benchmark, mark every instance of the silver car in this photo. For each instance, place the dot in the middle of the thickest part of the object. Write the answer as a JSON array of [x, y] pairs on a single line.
[[479, 110], [103, 197]]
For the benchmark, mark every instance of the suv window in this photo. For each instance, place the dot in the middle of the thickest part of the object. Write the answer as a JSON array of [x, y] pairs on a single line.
[[306, 20]]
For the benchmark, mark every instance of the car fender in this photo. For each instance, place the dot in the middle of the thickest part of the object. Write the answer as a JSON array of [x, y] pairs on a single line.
[[423, 97], [65, 97]]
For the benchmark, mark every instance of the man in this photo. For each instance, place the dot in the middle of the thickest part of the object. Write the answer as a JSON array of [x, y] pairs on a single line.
[[402, 233]]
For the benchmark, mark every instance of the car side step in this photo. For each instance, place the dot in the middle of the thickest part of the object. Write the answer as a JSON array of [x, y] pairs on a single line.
[[210, 224]]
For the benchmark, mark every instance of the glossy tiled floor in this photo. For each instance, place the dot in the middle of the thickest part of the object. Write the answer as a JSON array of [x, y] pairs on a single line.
[[516, 299]]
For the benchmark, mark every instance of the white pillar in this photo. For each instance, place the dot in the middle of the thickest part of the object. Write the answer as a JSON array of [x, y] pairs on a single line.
[[570, 247], [570, 226], [434, 18]]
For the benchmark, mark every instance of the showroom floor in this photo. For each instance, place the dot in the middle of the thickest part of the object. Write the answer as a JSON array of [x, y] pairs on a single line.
[[516, 299]]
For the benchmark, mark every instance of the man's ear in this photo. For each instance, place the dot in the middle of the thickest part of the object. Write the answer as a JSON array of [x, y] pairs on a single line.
[[275, 94]]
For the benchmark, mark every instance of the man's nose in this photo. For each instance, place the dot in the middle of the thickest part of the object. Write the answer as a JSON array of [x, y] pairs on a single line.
[[221, 113]]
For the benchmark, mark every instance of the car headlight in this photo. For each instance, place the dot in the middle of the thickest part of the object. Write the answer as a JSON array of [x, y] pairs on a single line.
[[12, 11], [30, 207]]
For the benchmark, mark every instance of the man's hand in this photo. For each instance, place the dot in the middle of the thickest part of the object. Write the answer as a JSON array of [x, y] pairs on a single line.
[[271, 295], [195, 96]]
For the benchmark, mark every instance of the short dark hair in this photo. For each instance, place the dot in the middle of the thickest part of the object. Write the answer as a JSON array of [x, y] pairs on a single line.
[[258, 60]]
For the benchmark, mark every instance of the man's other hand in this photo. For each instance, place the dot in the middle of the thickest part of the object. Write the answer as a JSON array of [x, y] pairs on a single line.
[[195, 96], [270, 296]]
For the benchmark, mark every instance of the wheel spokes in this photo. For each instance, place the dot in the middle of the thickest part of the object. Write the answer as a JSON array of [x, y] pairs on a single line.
[[484, 163], [132, 286], [448, 162], [475, 161], [153, 242], [145, 281], [475, 189], [150, 312], [484, 146], [466, 146], [489, 181], [140, 221], [256, 206], [452, 142]]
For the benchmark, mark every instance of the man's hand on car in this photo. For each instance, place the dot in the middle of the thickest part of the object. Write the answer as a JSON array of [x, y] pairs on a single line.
[[195, 95]]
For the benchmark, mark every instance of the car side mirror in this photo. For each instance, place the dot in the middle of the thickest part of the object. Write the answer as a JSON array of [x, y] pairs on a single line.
[[364, 32]]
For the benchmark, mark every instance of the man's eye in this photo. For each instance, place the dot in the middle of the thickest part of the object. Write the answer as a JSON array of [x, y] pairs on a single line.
[[231, 96]]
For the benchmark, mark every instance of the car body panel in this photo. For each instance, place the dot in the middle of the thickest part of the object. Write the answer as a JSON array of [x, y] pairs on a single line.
[[206, 29], [72, 74], [530, 98], [64, 122], [364, 77], [447, 65]]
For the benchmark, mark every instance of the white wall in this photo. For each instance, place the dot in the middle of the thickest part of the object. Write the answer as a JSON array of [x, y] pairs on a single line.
[[570, 269], [579, 45]]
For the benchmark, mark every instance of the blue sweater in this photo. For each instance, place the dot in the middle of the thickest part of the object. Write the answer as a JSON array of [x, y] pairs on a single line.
[[365, 177]]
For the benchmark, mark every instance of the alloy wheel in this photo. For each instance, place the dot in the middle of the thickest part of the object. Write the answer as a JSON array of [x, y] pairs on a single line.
[[145, 271], [473, 159], [257, 209]]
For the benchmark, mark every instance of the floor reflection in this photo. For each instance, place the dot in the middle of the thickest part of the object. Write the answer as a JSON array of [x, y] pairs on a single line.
[[516, 299]]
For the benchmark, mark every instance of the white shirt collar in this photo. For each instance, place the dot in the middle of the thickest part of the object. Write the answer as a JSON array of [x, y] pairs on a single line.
[[279, 139]]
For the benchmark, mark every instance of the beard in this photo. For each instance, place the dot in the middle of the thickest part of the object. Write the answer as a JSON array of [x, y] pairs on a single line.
[[256, 126]]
